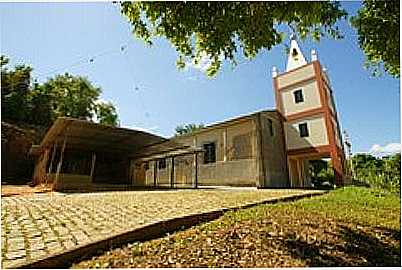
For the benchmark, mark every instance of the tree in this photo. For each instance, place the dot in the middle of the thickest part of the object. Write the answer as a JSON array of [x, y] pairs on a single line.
[[217, 29], [40, 107], [72, 96], [106, 114], [15, 85], [392, 170], [317, 166], [75, 96], [41, 104], [365, 162], [377, 24], [321, 173], [379, 172], [188, 129]]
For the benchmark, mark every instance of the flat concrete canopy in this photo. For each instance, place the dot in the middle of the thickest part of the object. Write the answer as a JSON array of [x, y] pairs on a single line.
[[81, 134]]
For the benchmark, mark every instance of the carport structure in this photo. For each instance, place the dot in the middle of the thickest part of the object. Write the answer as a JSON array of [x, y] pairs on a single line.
[[81, 155], [170, 168]]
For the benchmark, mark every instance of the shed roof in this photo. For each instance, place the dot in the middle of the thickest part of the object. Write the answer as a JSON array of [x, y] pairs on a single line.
[[166, 149], [226, 122], [81, 134]]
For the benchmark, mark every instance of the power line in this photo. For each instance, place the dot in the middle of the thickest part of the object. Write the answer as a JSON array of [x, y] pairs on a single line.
[[137, 89], [80, 62], [86, 60]]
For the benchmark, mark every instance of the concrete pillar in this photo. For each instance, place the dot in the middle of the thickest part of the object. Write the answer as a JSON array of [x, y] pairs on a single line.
[[155, 172], [307, 177], [260, 168], [194, 141], [93, 166], [337, 167], [299, 173], [56, 183], [225, 145], [51, 161], [172, 173], [195, 169], [294, 172]]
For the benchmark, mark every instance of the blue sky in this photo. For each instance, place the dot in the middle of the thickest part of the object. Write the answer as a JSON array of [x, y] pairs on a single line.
[[150, 93]]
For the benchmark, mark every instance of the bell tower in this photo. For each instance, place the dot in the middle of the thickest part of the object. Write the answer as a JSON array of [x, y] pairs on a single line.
[[304, 98]]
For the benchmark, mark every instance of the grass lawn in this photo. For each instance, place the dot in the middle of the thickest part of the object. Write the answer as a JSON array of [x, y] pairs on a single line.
[[352, 226]]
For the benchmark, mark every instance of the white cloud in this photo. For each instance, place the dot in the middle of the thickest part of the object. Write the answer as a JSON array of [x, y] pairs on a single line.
[[389, 149]]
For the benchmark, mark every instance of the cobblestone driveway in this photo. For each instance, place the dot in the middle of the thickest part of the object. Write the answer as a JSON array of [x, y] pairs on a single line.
[[38, 225]]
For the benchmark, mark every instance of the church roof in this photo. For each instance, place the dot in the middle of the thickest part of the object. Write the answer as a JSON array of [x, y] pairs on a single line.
[[296, 58]]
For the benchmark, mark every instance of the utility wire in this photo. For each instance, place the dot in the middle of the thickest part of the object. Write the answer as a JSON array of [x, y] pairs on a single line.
[[86, 60], [136, 88], [80, 62]]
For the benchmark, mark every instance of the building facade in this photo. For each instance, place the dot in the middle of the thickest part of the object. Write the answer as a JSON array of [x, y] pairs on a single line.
[[304, 98], [266, 149], [246, 151], [273, 148]]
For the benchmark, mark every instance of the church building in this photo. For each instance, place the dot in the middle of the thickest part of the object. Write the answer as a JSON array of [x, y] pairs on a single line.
[[265, 149]]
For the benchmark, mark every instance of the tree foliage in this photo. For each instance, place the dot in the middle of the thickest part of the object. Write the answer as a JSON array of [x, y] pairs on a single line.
[[378, 172], [72, 96], [188, 129], [377, 24], [41, 104], [321, 171], [384, 173], [218, 29], [15, 86], [40, 107], [106, 114]]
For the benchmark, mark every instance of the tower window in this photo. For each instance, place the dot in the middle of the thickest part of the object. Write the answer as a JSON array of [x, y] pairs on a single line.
[[294, 53], [210, 154], [270, 127], [303, 130], [298, 94]]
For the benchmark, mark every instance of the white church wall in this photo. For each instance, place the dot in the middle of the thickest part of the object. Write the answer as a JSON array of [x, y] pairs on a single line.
[[317, 133], [295, 76], [311, 97]]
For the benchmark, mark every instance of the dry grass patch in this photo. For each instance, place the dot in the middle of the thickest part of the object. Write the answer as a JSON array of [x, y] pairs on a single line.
[[347, 227]]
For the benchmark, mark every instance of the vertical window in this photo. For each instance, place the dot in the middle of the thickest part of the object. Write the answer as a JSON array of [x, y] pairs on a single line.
[[271, 127], [303, 129], [298, 94], [162, 163], [209, 155]]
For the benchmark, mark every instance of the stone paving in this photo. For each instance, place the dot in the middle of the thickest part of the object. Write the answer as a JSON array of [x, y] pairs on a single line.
[[38, 225]]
